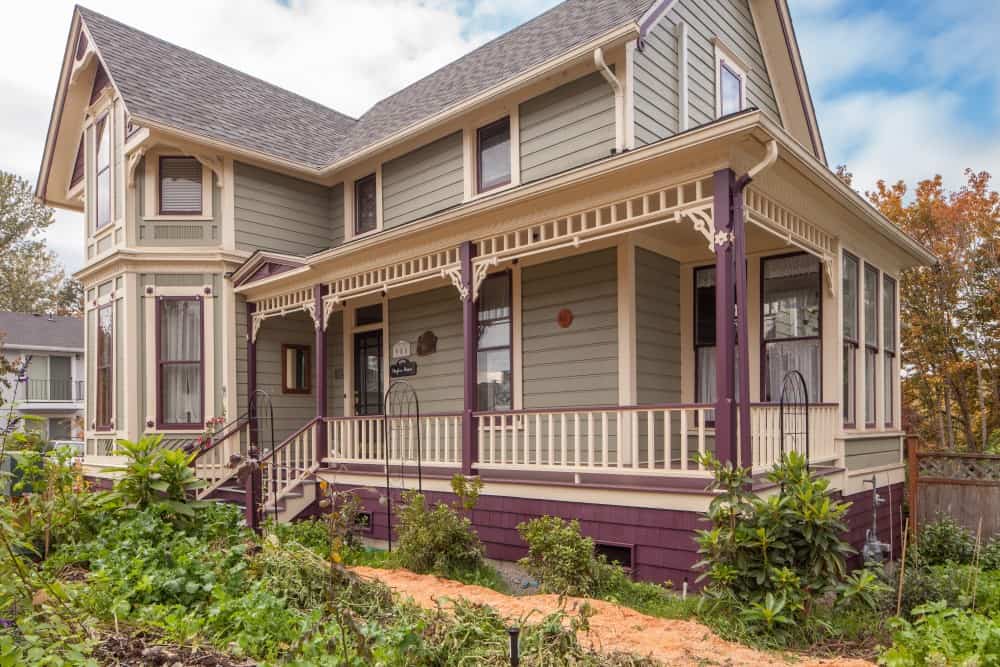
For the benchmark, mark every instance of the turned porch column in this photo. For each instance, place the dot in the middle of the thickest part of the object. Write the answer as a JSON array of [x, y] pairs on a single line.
[[470, 337], [321, 362], [725, 308]]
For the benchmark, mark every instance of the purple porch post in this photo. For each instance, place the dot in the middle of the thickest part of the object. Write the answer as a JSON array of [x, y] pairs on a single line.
[[253, 480], [742, 325], [725, 303], [321, 370], [470, 337]]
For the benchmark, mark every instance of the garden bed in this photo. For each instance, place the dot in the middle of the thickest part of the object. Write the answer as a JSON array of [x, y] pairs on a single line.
[[611, 629]]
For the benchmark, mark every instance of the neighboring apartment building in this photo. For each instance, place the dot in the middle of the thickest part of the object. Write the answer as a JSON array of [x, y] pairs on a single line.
[[534, 237], [46, 388]]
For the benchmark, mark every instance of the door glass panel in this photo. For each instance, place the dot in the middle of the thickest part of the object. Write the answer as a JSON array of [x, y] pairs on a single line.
[[60, 388], [368, 373]]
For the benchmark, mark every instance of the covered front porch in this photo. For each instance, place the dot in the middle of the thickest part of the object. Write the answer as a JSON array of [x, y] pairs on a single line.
[[581, 348]]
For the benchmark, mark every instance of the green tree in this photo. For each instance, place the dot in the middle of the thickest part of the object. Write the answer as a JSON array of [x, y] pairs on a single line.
[[31, 279]]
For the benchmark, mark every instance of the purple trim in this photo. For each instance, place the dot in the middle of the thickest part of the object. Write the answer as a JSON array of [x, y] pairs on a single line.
[[321, 371], [725, 302], [285, 389], [470, 340], [742, 327], [251, 368], [160, 423], [99, 424]]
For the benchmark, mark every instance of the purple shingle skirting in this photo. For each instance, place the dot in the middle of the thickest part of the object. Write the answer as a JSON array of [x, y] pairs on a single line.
[[663, 539], [859, 519]]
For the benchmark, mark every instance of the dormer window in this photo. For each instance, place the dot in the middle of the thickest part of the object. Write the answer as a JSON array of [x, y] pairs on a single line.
[[730, 82], [103, 173], [365, 205], [180, 186], [493, 155]]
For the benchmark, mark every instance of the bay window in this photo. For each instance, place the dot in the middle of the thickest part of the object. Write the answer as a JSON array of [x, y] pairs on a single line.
[[179, 362], [180, 186], [871, 342], [849, 281], [791, 323], [104, 368], [889, 349], [494, 349], [102, 174]]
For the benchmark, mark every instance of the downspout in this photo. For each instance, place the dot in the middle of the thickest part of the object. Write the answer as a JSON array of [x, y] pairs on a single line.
[[616, 86], [742, 328]]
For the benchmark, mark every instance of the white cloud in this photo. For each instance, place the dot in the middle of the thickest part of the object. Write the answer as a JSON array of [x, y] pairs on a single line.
[[347, 55], [908, 136]]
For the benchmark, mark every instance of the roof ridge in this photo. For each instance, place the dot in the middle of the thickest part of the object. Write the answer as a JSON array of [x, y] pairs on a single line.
[[86, 10]]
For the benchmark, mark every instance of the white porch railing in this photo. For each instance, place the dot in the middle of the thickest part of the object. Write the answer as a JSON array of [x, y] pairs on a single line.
[[765, 433], [360, 439], [289, 464], [647, 440], [212, 465]]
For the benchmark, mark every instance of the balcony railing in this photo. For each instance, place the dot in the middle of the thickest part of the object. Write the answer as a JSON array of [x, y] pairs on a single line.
[[43, 390]]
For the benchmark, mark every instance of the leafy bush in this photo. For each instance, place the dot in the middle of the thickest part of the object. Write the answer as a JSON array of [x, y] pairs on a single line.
[[989, 557], [942, 635], [436, 539], [156, 477], [774, 558], [943, 541], [561, 558]]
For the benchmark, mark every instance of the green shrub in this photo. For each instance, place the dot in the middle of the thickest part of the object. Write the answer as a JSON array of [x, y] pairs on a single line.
[[989, 557], [435, 539], [943, 541], [775, 558], [156, 477], [561, 558], [942, 635]]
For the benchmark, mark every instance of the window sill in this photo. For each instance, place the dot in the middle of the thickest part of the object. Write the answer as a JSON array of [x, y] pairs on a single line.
[[177, 218], [492, 191], [861, 434]]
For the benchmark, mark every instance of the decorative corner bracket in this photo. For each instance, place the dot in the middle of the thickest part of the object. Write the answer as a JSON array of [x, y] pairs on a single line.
[[479, 272], [702, 220], [454, 273], [310, 308], [827, 262], [256, 321], [213, 163], [329, 303], [133, 162]]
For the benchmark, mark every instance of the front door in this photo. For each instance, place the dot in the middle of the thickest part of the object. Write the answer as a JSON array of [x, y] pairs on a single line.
[[368, 373]]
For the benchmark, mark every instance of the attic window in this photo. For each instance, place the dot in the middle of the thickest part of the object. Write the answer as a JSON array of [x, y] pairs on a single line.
[[730, 82], [365, 205], [180, 186], [493, 155], [78, 165]]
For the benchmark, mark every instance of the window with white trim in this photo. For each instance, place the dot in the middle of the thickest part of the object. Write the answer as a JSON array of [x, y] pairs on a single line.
[[180, 350], [180, 186], [850, 279], [890, 376], [792, 323], [730, 82], [102, 172], [365, 205], [871, 342]]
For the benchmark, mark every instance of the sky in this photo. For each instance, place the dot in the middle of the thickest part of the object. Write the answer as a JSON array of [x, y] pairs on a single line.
[[904, 89]]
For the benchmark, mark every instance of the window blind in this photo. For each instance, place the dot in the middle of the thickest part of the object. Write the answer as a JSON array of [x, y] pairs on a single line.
[[180, 185]]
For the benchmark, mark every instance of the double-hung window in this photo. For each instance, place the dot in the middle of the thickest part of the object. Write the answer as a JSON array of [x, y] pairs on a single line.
[[493, 155], [791, 323], [494, 349], [103, 172], [179, 362], [871, 342], [180, 186], [365, 205], [104, 368], [889, 377], [849, 281]]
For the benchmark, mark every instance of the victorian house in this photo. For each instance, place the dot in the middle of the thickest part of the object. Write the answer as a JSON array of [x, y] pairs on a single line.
[[595, 247]]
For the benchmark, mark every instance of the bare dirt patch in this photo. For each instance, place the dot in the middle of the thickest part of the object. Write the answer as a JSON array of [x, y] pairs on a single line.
[[613, 628]]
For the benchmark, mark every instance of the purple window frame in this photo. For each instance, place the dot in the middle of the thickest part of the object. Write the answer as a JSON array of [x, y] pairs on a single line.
[[370, 178], [488, 131], [102, 421], [102, 128], [764, 341], [694, 327], [872, 349], [160, 363], [159, 186], [853, 343], [739, 77], [306, 351], [510, 340], [889, 407]]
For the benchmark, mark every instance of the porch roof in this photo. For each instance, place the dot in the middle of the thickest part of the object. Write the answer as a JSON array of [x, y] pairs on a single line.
[[345, 273]]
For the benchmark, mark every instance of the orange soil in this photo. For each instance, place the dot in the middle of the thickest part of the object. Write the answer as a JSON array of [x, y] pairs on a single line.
[[612, 628]]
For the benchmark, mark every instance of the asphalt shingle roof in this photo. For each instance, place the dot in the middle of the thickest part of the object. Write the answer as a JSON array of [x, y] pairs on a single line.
[[32, 329], [182, 89]]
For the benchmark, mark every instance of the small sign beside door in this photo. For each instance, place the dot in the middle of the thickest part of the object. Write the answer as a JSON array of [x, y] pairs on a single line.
[[402, 368], [401, 349]]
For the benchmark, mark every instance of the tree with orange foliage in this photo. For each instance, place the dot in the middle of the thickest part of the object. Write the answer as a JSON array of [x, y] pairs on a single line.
[[950, 313]]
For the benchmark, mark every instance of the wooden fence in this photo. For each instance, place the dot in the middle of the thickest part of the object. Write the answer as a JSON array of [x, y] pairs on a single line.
[[964, 486]]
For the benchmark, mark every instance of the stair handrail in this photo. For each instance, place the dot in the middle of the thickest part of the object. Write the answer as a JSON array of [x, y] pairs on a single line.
[[217, 438], [290, 484], [284, 443]]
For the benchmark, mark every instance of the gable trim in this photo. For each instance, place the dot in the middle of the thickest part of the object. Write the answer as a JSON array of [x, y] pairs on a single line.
[[791, 43], [652, 16]]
